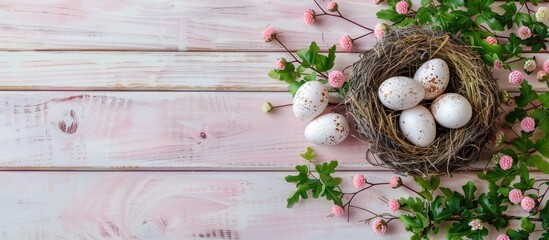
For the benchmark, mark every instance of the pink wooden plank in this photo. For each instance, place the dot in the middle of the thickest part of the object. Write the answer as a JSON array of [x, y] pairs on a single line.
[[194, 130], [219, 71], [173, 25], [171, 205]]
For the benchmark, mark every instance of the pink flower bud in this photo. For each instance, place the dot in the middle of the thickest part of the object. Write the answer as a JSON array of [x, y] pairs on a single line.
[[281, 64], [546, 65], [515, 77], [541, 75], [332, 6], [269, 34], [515, 196], [394, 205], [528, 124], [527, 203], [524, 33], [498, 64], [380, 30], [346, 43], [379, 226], [505, 162], [502, 237], [336, 79], [529, 66], [338, 211], [476, 224], [402, 7], [491, 40], [395, 182], [359, 181], [309, 16]]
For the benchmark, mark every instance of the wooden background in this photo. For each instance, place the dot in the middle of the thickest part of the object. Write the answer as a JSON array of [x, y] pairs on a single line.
[[141, 119]]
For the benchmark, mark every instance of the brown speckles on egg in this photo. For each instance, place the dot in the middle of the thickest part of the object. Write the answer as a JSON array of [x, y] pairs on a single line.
[[434, 75], [310, 100], [328, 129], [399, 93]]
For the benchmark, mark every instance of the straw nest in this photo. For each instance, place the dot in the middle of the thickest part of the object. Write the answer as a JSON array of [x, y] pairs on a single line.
[[400, 53]]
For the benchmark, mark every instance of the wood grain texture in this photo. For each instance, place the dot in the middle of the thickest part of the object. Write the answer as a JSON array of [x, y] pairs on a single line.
[[217, 71], [170, 205], [174, 25], [195, 130]]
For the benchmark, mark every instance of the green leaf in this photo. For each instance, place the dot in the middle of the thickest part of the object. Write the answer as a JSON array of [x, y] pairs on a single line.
[[469, 190], [330, 61], [294, 197], [309, 155], [538, 162], [517, 235], [409, 221], [302, 54], [527, 95], [542, 146], [310, 77], [293, 87], [427, 195], [515, 115], [541, 116], [455, 3], [524, 173], [523, 19], [312, 54], [544, 99], [423, 182], [334, 195], [527, 225], [390, 15], [544, 216]]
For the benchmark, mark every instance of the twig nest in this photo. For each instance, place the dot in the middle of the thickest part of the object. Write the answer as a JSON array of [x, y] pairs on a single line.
[[400, 53]]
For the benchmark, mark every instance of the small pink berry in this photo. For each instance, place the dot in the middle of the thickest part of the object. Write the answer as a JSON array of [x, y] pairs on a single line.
[[269, 34], [402, 7], [346, 43], [380, 29], [280, 64], [336, 79], [394, 205], [395, 182], [515, 77], [524, 33], [309, 16], [541, 75], [379, 226], [498, 64], [528, 203], [503, 237], [515, 196], [505, 162], [332, 6], [491, 40], [377, 2], [338, 211], [359, 181], [528, 124], [546, 65]]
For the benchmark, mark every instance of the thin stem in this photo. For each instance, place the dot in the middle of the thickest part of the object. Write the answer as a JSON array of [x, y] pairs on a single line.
[[409, 188], [321, 9], [361, 36], [287, 50], [295, 58]]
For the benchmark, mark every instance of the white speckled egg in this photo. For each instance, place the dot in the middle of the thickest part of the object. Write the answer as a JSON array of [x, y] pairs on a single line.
[[434, 75], [399, 93], [451, 110], [418, 126], [310, 100], [328, 129]]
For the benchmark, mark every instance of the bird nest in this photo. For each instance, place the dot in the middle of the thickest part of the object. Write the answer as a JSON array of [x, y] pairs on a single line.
[[400, 53]]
